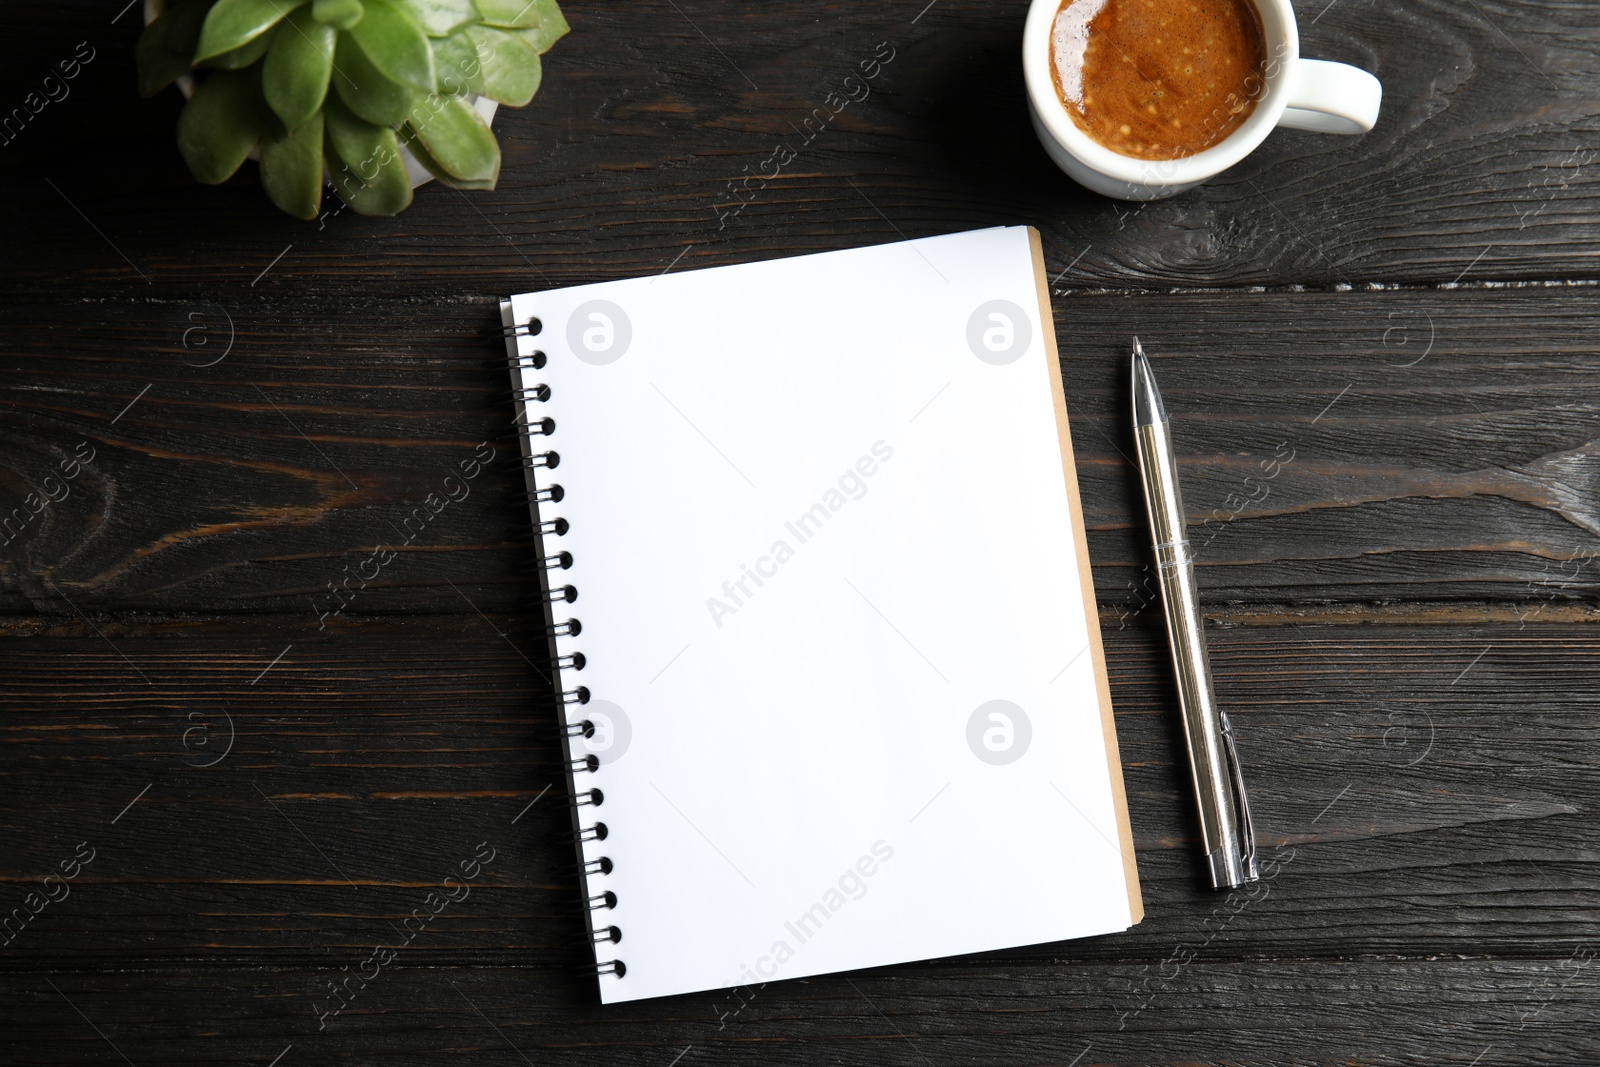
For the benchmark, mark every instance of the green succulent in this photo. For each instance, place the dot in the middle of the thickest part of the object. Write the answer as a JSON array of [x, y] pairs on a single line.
[[341, 85]]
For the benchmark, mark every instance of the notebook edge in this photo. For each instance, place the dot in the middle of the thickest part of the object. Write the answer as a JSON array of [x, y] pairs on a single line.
[[1086, 580]]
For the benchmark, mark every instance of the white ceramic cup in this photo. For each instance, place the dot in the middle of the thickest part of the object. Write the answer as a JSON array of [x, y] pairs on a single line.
[[1302, 94]]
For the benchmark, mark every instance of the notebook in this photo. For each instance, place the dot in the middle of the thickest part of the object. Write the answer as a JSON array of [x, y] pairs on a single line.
[[832, 688]]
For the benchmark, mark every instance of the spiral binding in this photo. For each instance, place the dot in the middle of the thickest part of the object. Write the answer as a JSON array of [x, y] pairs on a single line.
[[540, 392], [530, 328], [551, 493], [548, 460], [523, 393]]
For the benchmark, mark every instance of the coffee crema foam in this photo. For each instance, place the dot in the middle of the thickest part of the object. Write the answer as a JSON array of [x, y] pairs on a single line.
[[1158, 79]]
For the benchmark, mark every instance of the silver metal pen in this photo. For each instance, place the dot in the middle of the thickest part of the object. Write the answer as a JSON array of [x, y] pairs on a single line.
[[1225, 829]]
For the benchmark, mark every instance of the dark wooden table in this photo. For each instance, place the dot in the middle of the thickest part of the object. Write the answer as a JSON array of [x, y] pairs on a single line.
[[246, 404]]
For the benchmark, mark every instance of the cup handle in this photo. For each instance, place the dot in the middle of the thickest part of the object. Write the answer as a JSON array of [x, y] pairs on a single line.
[[1332, 98]]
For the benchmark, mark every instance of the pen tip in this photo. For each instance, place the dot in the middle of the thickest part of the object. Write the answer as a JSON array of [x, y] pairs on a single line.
[[1147, 406]]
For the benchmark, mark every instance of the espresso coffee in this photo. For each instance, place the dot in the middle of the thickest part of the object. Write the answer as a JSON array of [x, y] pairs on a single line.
[[1158, 79]]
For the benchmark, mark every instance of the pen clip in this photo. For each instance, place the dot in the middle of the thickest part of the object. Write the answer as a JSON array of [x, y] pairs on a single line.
[[1247, 831]]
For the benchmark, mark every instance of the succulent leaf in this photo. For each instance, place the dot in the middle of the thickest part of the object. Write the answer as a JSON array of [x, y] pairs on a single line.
[[456, 61], [365, 89], [508, 70], [393, 40], [244, 56], [294, 77], [365, 163], [550, 28], [291, 168], [219, 126], [441, 18], [431, 165], [233, 24], [358, 143], [166, 47], [388, 194], [516, 14], [340, 14], [456, 138]]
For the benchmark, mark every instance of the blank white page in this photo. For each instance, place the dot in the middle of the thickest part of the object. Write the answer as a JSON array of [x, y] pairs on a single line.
[[836, 624]]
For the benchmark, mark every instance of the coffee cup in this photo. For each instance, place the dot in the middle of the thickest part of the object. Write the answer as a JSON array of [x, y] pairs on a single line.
[[1301, 94]]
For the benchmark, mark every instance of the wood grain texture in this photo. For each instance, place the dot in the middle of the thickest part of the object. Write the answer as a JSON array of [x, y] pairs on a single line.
[[1348, 448], [652, 116], [1422, 795], [1055, 1012]]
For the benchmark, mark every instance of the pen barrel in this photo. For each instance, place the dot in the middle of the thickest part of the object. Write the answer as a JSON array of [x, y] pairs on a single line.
[[1205, 727]]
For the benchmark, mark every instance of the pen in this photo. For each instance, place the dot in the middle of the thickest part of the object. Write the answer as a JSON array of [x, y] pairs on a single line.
[[1225, 830]]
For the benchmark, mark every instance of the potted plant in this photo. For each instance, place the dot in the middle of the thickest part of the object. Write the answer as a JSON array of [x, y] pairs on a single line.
[[346, 91]]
